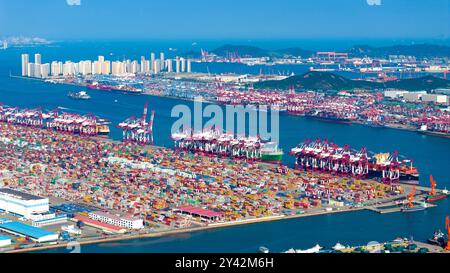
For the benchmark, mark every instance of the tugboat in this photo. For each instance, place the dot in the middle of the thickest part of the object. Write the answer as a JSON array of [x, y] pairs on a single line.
[[433, 196], [82, 95], [438, 238], [263, 249]]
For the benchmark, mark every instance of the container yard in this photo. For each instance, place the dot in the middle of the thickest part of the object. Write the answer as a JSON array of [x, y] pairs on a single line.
[[171, 190]]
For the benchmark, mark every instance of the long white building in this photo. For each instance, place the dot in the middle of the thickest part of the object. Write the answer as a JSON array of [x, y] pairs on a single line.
[[20, 203], [128, 222]]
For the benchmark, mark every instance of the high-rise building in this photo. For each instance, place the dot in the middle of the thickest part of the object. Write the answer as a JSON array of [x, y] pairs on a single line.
[[183, 64], [146, 66], [188, 66], [161, 57], [68, 69], [156, 66], [56, 68], [142, 65], [37, 58], [152, 60], [100, 62], [45, 70], [177, 65], [85, 67], [106, 67], [25, 60], [30, 70], [169, 65], [134, 67]]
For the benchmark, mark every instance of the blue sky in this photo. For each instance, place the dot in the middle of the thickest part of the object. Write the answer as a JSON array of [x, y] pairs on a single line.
[[220, 19]]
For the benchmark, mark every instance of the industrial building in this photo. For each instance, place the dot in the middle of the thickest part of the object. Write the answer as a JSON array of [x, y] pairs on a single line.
[[34, 233], [20, 203], [436, 98], [128, 222], [394, 94]]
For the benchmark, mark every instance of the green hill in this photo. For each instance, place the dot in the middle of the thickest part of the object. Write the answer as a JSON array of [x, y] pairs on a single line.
[[330, 81], [418, 50]]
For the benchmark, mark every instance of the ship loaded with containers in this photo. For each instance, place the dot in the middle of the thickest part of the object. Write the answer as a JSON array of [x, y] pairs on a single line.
[[126, 88], [321, 155], [217, 143], [86, 125]]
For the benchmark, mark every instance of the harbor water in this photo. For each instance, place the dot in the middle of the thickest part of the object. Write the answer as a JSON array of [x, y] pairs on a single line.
[[430, 155]]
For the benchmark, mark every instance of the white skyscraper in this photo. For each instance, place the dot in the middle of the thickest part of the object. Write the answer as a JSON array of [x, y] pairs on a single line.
[[45, 70], [30, 70], [188, 65], [152, 59], [25, 60], [161, 57], [156, 66], [183, 64], [177, 65], [37, 58], [169, 65]]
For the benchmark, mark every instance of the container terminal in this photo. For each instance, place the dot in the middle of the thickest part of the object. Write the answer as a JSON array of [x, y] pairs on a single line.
[[426, 113], [93, 189]]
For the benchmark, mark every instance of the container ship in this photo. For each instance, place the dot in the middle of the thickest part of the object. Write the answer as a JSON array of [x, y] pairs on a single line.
[[217, 143], [98, 86], [127, 89], [321, 155], [82, 95], [86, 125], [388, 166], [334, 117]]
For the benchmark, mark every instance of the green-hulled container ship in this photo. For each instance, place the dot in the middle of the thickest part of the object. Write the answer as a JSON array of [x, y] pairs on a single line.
[[271, 153]]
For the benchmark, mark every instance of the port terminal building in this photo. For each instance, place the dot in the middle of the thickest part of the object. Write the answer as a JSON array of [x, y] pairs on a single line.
[[34, 233], [22, 204], [128, 222], [199, 212]]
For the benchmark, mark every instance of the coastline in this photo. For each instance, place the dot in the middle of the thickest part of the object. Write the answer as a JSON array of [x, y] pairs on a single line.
[[194, 229], [360, 122]]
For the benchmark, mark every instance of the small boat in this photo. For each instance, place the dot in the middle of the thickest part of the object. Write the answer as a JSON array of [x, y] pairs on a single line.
[[82, 95], [438, 238], [263, 249], [413, 209], [434, 196], [315, 249]]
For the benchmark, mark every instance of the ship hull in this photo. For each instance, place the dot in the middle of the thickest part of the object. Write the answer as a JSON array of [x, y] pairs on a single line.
[[437, 134], [431, 198], [413, 209], [272, 158], [332, 119], [404, 178]]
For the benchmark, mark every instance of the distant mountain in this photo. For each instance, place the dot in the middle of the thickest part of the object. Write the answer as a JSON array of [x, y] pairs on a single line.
[[418, 50], [330, 81], [244, 50], [241, 50], [192, 54], [293, 51]]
